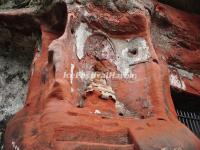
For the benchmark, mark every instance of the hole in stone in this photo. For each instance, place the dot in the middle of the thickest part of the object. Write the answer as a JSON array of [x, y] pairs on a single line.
[[50, 57], [104, 117], [83, 20], [187, 107], [155, 60], [121, 114], [72, 31], [132, 52], [54, 71], [142, 117], [164, 22], [162, 119], [28, 104]]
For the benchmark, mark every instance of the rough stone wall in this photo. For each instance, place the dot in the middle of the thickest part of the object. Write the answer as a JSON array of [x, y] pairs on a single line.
[[13, 87], [101, 37], [16, 54]]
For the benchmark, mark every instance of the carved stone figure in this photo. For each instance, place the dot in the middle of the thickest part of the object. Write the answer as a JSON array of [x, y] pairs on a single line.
[[101, 77]]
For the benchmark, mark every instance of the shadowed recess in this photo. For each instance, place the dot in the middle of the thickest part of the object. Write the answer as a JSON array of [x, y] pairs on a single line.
[[186, 5]]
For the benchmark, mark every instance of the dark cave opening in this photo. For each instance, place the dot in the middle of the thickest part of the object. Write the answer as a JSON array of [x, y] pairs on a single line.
[[186, 5], [187, 107]]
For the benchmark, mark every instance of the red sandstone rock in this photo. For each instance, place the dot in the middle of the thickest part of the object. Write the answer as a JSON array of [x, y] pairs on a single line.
[[65, 112]]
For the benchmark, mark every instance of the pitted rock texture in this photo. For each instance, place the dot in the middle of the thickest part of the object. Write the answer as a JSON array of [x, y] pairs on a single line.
[[13, 85], [16, 53], [14, 74]]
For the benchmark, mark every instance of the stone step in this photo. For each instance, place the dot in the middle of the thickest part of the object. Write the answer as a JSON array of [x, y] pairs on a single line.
[[117, 136], [93, 146]]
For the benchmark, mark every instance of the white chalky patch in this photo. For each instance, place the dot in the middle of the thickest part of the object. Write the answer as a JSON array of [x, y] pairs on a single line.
[[72, 76], [97, 111], [124, 60], [14, 145], [72, 73], [176, 81], [101, 86], [183, 73], [120, 107], [81, 36]]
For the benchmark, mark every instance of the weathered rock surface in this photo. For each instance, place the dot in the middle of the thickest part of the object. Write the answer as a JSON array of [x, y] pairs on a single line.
[[16, 54], [66, 110]]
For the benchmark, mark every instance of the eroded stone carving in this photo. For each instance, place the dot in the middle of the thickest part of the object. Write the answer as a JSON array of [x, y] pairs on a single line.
[[96, 38]]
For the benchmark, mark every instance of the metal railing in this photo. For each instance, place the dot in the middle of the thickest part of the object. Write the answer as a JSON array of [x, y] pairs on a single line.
[[191, 120]]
